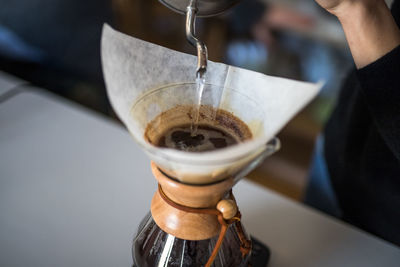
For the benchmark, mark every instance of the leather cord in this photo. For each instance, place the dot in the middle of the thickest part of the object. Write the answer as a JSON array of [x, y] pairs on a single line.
[[245, 244]]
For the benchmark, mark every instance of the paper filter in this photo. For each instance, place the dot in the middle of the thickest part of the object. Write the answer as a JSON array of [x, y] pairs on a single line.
[[144, 80]]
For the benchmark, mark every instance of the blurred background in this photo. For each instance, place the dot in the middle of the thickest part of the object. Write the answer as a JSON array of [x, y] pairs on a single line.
[[55, 44]]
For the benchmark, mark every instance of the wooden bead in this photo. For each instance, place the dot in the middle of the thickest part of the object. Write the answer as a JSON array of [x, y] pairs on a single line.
[[228, 208]]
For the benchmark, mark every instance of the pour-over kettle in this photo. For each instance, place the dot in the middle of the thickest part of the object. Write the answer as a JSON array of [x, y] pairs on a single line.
[[206, 8]]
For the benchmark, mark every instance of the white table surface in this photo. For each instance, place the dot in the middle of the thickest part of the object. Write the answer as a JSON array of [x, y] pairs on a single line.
[[8, 82], [74, 187]]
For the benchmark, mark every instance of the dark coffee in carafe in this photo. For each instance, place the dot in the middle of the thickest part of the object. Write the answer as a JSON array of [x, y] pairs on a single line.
[[216, 129], [206, 138]]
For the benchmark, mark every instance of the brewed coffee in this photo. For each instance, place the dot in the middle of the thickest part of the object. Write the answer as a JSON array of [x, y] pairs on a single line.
[[217, 129], [206, 138]]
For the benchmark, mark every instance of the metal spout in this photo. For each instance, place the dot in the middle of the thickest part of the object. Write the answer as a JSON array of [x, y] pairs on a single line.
[[202, 55]]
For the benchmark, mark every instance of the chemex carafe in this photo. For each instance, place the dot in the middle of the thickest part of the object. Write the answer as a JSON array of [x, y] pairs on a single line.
[[194, 219]]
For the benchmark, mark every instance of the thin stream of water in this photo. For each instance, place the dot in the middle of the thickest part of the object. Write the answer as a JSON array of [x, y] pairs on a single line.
[[200, 82]]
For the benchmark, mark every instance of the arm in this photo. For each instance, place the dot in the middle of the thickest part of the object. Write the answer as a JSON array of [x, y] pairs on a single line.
[[374, 39], [370, 29]]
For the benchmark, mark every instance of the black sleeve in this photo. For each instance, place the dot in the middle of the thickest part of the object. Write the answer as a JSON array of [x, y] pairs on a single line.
[[380, 83]]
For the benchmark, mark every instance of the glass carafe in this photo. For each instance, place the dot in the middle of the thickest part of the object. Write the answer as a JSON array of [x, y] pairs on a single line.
[[154, 247], [169, 235], [191, 225]]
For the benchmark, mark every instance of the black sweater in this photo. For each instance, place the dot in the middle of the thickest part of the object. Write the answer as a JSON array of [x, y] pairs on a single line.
[[362, 146]]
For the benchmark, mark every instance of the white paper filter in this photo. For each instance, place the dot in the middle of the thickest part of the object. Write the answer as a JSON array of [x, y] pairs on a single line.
[[134, 72]]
